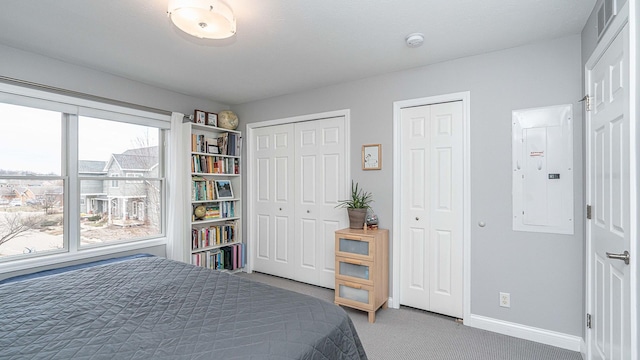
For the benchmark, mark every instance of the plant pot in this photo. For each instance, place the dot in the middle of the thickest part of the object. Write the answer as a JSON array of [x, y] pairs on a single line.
[[356, 218]]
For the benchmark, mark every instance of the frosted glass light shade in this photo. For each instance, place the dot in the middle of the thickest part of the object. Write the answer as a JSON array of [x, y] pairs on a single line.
[[205, 19]]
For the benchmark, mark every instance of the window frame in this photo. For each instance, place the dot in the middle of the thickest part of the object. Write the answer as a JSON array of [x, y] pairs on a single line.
[[72, 108], [114, 184]]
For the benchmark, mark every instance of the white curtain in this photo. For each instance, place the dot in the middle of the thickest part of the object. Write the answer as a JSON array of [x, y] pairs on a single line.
[[177, 229]]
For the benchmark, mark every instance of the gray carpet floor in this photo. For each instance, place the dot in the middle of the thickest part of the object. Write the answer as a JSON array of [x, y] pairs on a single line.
[[407, 333]]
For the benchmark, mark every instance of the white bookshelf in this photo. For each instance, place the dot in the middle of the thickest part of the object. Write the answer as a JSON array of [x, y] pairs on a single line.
[[220, 229]]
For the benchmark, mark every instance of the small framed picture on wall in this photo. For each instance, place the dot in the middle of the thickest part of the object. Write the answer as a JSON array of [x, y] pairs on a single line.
[[372, 157]]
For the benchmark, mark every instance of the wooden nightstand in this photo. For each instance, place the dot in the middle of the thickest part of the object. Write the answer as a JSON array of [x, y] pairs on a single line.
[[362, 269]]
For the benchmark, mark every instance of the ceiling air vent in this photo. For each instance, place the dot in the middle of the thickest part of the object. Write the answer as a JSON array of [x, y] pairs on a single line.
[[606, 12]]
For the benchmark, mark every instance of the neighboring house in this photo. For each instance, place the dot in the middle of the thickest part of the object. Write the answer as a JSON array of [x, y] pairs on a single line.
[[6, 195], [129, 199], [49, 195], [23, 193], [93, 197]]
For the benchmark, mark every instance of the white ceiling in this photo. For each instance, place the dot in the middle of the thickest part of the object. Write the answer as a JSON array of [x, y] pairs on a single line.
[[281, 46]]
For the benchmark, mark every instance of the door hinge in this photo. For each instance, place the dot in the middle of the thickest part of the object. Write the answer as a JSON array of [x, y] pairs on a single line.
[[587, 102], [588, 321], [589, 212]]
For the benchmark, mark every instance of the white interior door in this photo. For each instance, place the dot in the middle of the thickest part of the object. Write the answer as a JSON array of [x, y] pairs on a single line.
[[431, 272], [320, 183], [609, 196], [274, 208]]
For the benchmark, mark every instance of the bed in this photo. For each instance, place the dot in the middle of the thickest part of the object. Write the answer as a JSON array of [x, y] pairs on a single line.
[[153, 308]]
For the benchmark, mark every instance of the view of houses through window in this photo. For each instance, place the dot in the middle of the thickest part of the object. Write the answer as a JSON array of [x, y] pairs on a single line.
[[131, 209], [35, 178], [31, 183]]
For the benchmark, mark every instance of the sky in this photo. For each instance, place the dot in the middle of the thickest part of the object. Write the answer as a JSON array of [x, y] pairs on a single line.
[[31, 140]]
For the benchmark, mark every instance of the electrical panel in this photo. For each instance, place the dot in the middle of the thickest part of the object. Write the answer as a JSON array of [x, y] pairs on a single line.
[[542, 164]]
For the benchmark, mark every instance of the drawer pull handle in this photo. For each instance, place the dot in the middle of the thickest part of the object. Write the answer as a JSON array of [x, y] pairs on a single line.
[[355, 286]]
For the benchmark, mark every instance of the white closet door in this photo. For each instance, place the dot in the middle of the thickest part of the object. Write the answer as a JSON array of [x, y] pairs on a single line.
[[432, 208], [273, 200], [299, 177], [320, 183]]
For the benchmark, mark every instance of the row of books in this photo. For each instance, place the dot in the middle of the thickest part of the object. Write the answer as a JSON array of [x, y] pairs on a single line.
[[214, 164], [213, 235], [225, 144], [221, 210], [230, 144], [230, 257], [202, 189]]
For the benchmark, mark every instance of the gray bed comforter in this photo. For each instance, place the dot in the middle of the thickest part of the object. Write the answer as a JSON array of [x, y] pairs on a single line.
[[154, 308]]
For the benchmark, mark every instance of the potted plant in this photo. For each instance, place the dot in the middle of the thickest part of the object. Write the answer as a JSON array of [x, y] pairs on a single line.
[[356, 206]]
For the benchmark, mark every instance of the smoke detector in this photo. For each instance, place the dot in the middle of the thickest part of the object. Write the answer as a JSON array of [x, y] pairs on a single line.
[[414, 40]]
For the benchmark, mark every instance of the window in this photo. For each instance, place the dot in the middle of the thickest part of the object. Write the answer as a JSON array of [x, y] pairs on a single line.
[[58, 155], [114, 183], [31, 166], [130, 175], [128, 149]]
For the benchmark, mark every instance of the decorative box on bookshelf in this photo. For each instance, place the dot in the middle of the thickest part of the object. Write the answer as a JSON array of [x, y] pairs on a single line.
[[214, 210]]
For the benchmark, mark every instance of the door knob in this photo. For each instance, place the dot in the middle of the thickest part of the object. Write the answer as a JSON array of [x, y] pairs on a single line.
[[624, 256], [417, 218], [280, 209], [308, 211]]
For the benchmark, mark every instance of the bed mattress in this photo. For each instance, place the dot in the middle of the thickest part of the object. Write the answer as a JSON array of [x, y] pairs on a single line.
[[154, 308]]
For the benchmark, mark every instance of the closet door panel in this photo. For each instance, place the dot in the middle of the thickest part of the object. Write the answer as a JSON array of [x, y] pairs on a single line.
[[273, 202]]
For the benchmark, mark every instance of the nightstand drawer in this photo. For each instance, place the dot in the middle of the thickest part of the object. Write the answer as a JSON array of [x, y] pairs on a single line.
[[354, 270], [353, 294], [354, 246]]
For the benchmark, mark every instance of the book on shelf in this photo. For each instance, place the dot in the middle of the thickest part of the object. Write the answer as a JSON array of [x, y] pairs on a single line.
[[209, 164], [227, 209], [225, 258], [230, 144], [212, 211], [225, 144], [213, 235], [202, 189]]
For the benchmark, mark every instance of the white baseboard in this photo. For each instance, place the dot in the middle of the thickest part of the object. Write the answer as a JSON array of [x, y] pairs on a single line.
[[569, 342]]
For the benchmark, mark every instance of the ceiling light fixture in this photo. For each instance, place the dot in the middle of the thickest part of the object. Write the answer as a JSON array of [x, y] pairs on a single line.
[[205, 19], [414, 40]]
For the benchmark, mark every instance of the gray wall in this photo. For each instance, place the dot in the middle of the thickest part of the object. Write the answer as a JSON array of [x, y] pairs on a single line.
[[543, 272], [39, 69]]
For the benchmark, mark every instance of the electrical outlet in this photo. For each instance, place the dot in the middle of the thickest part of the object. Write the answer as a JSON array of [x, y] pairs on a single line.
[[505, 300]]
